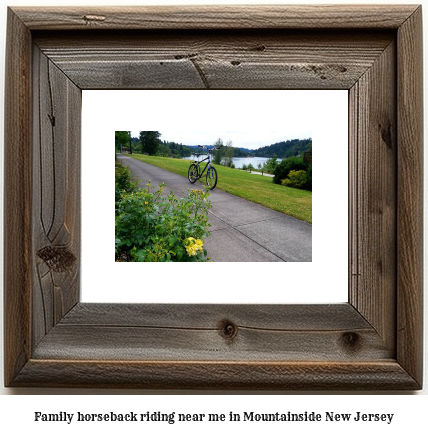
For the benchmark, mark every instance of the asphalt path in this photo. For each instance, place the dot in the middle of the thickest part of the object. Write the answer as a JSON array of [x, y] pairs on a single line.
[[241, 231]]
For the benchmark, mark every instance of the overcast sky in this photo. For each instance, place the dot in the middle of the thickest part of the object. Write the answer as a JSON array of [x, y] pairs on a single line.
[[250, 119]]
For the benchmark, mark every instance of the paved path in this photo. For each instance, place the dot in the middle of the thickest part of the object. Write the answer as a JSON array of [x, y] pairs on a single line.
[[241, 231], [262, 174]]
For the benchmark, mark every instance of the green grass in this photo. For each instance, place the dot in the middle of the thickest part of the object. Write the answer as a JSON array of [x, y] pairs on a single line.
[[256, 188]]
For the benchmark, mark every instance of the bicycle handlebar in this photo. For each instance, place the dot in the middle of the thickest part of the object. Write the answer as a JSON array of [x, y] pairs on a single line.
[[204, 147]]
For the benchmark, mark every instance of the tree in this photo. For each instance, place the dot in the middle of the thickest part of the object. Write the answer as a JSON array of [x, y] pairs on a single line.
[[228, 154], [150, 141], [218, 155], [135, 142], [163, 149], [122, 138], [285, 149], [271, 164]]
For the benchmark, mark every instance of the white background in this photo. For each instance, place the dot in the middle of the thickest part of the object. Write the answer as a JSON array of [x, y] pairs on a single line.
[[324, 280], [16, 412]]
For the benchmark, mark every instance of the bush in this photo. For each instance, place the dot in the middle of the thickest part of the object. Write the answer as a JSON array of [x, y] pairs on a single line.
[[308, 185], [270, 165], [227, 162], [123, 181], [296, 179], [152, 227], [284, 168]]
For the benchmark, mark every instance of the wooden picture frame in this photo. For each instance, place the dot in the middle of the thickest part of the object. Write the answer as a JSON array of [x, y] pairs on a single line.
[[372, 342]]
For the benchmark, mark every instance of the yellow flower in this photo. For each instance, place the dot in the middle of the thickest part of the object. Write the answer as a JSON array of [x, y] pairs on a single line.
[[193, 246], [146, 203], [191, 251]]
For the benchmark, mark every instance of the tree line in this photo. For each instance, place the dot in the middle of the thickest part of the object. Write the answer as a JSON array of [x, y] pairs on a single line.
[[149, 142], [285, 149]]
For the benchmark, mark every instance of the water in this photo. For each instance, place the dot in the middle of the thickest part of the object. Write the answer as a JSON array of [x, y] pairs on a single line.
[[240, 161], [254, 161]]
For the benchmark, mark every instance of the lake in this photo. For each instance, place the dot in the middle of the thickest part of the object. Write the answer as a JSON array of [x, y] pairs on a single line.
[[240, 161]]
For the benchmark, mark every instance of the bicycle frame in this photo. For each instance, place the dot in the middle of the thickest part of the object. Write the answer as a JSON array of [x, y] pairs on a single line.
[[200, 174], [196, 173]]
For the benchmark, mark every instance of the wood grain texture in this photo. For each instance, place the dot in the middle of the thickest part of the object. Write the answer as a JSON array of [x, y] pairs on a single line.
[[385, 375], [215, 60], [372, 342], [56, 194], [373, 177], [199, 332], [217, 17], [410, 196], [17, 199], [210, 316]]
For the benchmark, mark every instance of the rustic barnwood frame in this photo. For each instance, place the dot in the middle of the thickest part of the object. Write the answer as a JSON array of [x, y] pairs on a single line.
[[372, 342]]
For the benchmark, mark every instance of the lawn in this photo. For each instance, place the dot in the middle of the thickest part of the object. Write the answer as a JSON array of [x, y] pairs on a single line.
[[256, 188]]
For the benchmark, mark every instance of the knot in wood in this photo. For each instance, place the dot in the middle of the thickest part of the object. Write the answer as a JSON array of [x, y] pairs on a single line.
[[227, 329], [185, 56], [351, 340], [258, 48], [386, 134], [58, 259]]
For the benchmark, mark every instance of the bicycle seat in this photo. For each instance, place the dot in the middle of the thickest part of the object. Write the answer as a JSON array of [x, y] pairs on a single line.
[[197, 155]]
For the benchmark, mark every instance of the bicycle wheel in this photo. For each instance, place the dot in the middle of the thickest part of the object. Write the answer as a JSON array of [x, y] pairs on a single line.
[[212, 177], [192, 174]]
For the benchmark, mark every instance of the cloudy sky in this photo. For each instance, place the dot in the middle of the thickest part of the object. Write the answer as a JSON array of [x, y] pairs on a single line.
[[250, 119]]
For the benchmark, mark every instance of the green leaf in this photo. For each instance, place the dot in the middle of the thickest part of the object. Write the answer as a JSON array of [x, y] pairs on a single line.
[[140, 255]]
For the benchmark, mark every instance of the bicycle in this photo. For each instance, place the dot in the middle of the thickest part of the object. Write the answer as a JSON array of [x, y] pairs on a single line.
[[195, 173]]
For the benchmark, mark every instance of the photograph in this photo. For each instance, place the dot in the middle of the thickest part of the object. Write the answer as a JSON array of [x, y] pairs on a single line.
[[231, 200]]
